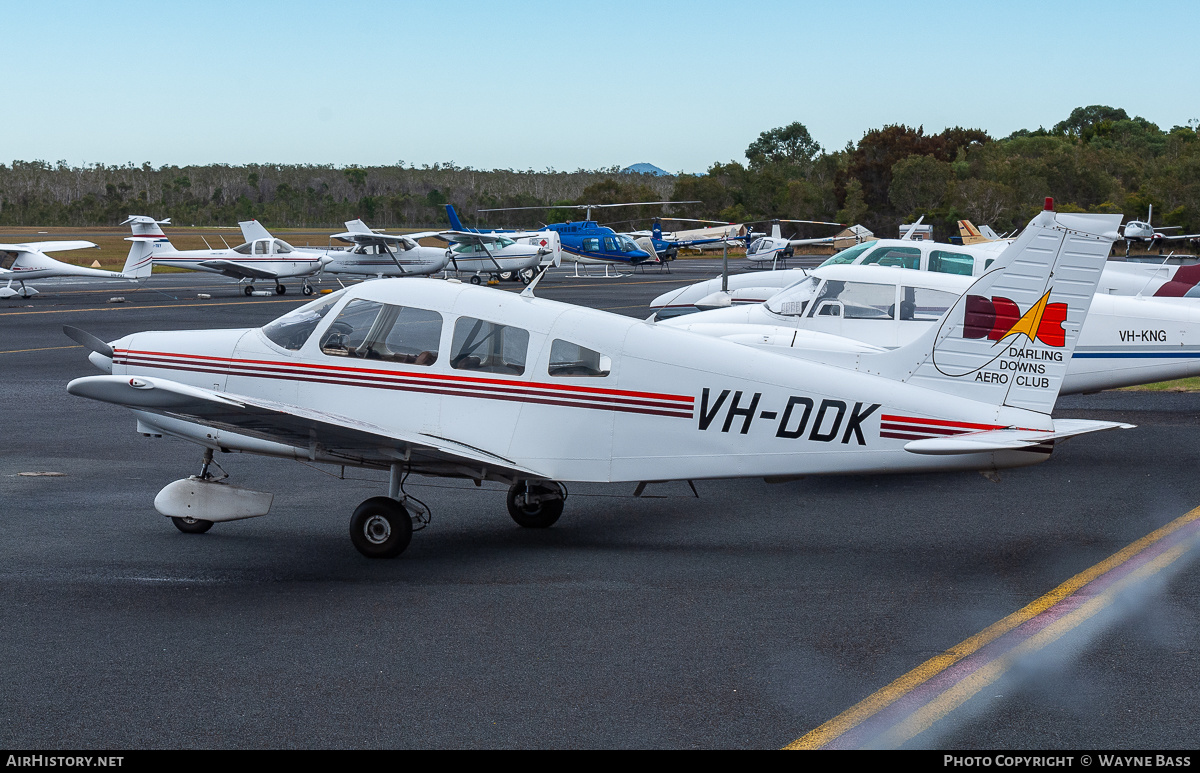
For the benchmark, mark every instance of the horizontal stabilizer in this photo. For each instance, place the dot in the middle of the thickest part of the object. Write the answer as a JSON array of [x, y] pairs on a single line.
[[1008, 439]]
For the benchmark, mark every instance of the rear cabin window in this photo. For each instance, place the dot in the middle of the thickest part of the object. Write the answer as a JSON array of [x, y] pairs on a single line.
[[855, 300], [904, 257], [591, 245], [292, 329], [489, 347], [378, 331], [920, 304], [951, 263], [568, 359]]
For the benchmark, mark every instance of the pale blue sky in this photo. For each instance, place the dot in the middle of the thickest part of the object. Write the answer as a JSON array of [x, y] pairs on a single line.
[[561, 84]]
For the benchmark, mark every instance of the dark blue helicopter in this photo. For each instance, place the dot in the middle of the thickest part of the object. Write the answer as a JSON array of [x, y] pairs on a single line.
[[586, 241]]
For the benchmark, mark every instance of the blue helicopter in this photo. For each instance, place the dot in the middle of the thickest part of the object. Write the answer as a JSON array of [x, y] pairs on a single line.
[[588, 242]]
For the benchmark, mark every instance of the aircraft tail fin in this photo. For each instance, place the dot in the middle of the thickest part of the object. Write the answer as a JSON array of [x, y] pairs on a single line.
[[775, 232], [455, 223], [1009, 339], [148, 240], [140, 263], [253, 230]]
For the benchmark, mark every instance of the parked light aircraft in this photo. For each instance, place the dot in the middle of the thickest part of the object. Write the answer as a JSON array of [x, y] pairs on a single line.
[[447, 379], [545, 239], [774, 248], [28, 261], [1137, 231], [260, 257], [379, 254], [850, 309], [972, 235]]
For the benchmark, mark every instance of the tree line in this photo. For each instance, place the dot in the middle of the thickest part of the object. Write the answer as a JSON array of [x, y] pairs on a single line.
[[1098, 159]]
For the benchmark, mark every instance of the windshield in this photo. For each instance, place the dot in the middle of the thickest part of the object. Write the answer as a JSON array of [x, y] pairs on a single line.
[[847, 255], [793, 300], [292, 329]]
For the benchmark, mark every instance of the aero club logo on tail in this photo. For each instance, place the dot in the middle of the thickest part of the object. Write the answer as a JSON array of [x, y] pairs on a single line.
[[999, 318]]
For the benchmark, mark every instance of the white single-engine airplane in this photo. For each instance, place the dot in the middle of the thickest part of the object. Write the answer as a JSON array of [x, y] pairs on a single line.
[[849, 309], [381, 254], [442, 378], [261, 256], [28, 261]]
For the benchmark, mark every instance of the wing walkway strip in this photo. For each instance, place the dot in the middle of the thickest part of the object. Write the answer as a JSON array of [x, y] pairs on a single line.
[[951, 678]]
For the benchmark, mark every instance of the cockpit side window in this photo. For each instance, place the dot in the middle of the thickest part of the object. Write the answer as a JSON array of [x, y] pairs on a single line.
[[856, 300], [282, 247], [951, 263], [262, 247], [380, 331], [292, 329], [489, 347], [904, 257], [7, 259], [243, 249], [569, 359], [349, 334]]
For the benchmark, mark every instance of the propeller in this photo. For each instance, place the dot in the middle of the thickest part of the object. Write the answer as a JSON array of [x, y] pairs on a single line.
[[88, 341]]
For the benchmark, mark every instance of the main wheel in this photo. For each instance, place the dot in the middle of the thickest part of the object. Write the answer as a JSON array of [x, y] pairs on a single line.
[[249, 290], [534, 515], [476, 280], [280, 289], [507, 276], [526, 275], [191, 525], [380, 528], [307, 289]]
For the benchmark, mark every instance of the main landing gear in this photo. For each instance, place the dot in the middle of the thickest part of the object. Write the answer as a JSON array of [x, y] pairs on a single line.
[[382, 527], [306, 289], [536, 504]]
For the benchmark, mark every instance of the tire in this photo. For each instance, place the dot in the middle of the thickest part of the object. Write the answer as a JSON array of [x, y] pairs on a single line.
[[307, 289], [280, 289], [249, 290], [527, 275], [191, 525], [475, 280], [539, 516], [380, 528], [507, 276]]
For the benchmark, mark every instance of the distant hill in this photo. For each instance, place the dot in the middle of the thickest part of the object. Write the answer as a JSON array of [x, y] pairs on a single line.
[[645, 169]]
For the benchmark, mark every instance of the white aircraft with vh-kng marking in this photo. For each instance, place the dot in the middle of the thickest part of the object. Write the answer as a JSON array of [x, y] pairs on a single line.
[[442, 378]]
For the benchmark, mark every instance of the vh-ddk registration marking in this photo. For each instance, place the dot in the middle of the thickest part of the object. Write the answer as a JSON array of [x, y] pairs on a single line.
[[795, 419]]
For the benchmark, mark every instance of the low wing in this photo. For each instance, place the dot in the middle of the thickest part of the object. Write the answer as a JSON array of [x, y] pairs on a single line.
[[1008, 439], [303, 428], [238, 270]]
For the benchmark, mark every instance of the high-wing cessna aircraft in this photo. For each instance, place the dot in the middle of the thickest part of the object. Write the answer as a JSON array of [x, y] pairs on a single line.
[[381, 254], [441, 378], [28, 261], [774, 248], [260, 257], [852, 309]]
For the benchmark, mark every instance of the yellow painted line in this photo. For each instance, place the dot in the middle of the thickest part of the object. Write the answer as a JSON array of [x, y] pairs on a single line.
[[927, 715], [883, 698], [123, 307], [43, 349]]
